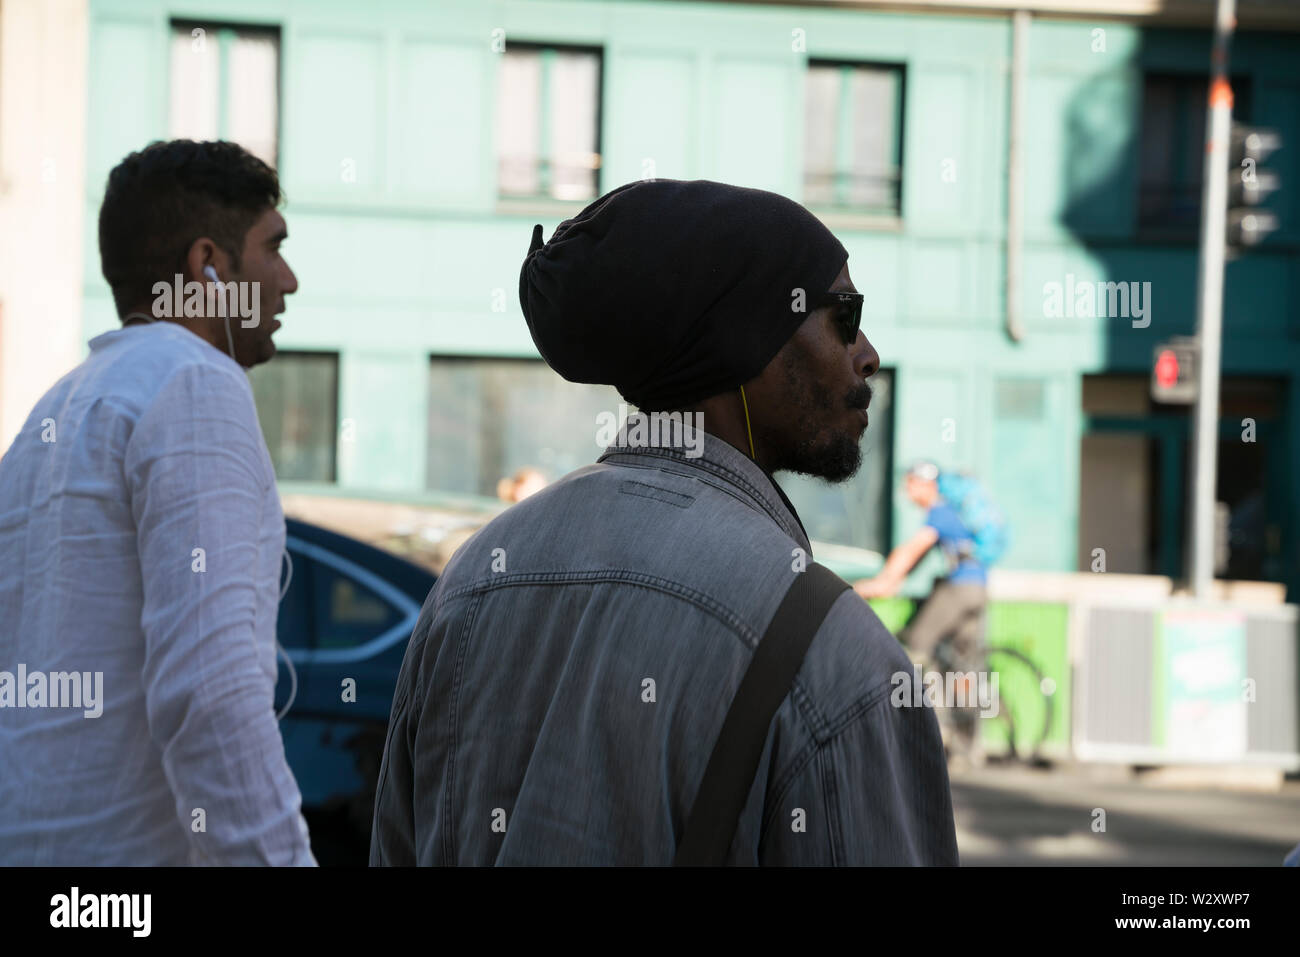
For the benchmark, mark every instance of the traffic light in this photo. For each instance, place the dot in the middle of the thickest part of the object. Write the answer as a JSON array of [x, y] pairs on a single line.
[[1250, 185], [1174, 371]]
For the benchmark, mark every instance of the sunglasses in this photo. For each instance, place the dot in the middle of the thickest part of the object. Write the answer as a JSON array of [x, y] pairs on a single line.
[[846, 312]]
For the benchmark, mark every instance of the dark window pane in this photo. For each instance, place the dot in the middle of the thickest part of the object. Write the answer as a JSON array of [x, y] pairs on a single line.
[[1173, 149], [326, 607], [297, 401], [347, 612], [488, 418], [855, 512]]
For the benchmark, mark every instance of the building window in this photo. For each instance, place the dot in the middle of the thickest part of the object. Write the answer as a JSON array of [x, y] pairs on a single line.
[[297, 404], [1173, 149], [491, 418], [1019, 399], [548, 122], [225, 85], [857, 512], [853, 120]]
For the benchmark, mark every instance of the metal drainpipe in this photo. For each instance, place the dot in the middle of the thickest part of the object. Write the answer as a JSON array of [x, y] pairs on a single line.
[[1015, 172]]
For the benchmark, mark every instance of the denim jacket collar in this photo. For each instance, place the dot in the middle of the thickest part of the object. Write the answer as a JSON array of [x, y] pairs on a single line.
[[685, 445]]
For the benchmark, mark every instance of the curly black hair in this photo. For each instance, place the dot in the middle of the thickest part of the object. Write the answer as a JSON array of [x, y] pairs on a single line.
[[159, 200]]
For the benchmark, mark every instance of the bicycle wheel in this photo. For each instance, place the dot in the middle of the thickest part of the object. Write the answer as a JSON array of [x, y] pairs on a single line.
[[958, 725], [1022, 702]]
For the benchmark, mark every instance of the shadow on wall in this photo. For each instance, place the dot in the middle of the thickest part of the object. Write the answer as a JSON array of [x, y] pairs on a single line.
[[1132, 200]]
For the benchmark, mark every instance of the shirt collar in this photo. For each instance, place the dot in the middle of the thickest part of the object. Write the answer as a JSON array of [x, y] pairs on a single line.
[[672, 442], [108, 338], [105, 339]]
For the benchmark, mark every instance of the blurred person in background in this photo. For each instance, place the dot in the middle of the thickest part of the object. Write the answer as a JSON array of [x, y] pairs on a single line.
[[960, 520], [569, 674], [522, 484], [141, 539]]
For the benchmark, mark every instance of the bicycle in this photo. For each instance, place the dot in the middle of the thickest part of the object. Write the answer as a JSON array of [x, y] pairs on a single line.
[[1023, 698]]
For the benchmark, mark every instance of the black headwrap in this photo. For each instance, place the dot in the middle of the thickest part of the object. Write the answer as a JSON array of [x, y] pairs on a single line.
[[674, 291]]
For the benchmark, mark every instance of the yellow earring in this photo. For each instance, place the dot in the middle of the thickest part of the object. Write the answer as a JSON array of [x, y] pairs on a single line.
[[748, 430]]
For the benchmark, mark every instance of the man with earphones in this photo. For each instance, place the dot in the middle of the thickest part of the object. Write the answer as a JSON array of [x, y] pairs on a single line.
[[642, 663], [141, 540]]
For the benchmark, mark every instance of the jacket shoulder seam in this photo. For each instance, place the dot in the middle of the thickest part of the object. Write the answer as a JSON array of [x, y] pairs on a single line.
[[821, 739], [747, 635]]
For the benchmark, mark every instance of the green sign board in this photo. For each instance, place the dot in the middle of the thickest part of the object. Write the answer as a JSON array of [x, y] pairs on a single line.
[[1205, 672]]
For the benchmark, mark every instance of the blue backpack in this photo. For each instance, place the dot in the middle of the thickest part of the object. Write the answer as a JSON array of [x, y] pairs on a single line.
[[978, 513]]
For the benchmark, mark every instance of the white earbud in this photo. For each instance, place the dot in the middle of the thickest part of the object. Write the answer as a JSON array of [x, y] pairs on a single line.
[[211, 272]]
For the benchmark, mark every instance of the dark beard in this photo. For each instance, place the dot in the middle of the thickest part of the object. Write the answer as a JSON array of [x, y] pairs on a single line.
[[835, 457]]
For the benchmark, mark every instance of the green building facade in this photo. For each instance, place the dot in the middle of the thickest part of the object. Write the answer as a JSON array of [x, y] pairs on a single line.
[[418, 143]]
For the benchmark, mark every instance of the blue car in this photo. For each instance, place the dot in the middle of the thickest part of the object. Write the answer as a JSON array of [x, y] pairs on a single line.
[[344, 622]]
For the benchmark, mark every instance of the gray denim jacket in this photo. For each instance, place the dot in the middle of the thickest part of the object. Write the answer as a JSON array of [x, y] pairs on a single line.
[[571, 670]]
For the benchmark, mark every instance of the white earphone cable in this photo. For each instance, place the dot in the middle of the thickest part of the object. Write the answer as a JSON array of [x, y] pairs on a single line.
[[279, 648]]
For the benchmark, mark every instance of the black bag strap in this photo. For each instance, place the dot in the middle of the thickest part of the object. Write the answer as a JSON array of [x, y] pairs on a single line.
[[729, 775]]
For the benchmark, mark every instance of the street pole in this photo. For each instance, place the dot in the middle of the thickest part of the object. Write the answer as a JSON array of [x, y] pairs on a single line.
[[1209, 318]]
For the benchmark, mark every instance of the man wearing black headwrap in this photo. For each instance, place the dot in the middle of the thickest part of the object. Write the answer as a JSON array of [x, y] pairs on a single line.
[[572, 669], [681, 293]]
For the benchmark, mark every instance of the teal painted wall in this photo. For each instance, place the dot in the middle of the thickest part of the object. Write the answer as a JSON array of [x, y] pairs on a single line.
[[405, 260]]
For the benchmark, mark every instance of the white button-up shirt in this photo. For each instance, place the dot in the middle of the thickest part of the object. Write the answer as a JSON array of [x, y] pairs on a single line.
[[140, 551]]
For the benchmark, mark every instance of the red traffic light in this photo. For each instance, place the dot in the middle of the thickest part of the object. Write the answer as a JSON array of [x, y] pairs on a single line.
[[1174, 370], [1167, 369]]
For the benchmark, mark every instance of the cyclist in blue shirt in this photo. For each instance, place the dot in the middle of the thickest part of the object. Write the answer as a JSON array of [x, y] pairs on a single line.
[[957, 601]]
